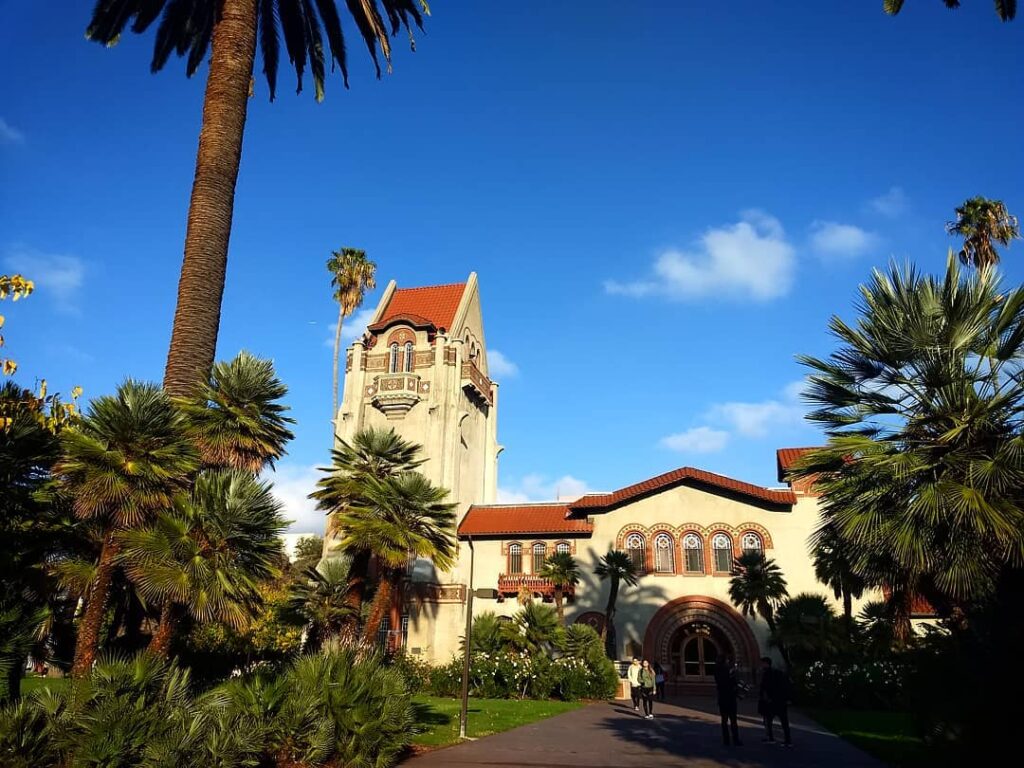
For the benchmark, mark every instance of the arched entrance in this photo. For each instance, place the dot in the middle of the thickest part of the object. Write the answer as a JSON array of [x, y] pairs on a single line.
[[689, 635]]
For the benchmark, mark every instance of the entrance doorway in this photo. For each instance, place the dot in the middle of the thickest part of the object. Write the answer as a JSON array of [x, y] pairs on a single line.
[[694, 650]]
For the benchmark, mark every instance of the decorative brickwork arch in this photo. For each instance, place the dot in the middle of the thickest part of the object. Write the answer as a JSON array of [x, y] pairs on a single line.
[[625, 538], [400, 336], [683, 611], [760, 530]]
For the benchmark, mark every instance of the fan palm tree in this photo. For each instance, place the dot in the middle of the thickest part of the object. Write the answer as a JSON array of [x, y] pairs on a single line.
[[125, 462], [757, 586], [535, 628], [806, 627], [229, 30], [395, 519], [1006, 9], [833, 569], [617, 568], [205, 557], [561, 570], [488, 634], [320, 598], [235, 417], [982, 223], [922, 404], [352, 275]]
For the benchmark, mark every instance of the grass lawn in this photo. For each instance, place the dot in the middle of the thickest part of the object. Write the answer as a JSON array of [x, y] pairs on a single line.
[[29, 684], [889, 736], [439, 718]]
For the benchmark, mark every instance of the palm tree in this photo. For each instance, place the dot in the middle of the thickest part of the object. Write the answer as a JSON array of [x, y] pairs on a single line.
[[535, 628], [124, 462], [757, 586], [616, 567], [320, 598], [229, 30], [806, 627], [205, 557], [833, 569], [352, 275], [395, 519], [922, 405], [561, 570], [488, 634], [1006, 9], [982, 223], [235, 417]]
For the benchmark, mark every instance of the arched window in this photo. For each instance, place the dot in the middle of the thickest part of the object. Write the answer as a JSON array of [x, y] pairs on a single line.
[[408, 356], [664, 554], [563, 548], [751, 542], [393, 367], [515, 558], [540, 554], [721, 544], [693, 548], [635, 547]]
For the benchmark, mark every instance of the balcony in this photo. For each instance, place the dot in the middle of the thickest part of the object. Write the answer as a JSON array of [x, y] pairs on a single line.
[[395, 393], [477, 386], [509, 585]]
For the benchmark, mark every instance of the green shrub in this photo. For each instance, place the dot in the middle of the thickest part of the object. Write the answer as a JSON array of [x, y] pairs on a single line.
[[861, 685]]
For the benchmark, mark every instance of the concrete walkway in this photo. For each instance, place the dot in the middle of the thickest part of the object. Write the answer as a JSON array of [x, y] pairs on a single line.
[[683, 733]]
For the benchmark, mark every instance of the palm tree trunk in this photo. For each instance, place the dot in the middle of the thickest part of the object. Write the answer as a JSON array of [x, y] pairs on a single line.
[[201, 286], [380, 606], [160, 643], [609, 616], [558, 604], [337, 349], [87, 644], [848, 613]]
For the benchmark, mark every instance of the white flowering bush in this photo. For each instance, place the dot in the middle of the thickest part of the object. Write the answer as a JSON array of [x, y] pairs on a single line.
[[863, 684]]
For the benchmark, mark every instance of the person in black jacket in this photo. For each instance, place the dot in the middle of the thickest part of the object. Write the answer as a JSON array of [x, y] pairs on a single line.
[[726, 684], [774, 700]]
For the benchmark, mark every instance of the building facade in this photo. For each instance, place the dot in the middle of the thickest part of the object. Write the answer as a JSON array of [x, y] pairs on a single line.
[[422, 369]]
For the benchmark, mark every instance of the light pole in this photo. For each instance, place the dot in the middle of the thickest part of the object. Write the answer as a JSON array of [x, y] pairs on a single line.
[[468, 644]]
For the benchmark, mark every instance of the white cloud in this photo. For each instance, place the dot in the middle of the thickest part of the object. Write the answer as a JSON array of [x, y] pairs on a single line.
[[830, 238], [351, 329], [757, 419], [57, 276], [500, 366], [750, 259], [9, 134], [892, 204], [697, 440], [292, 485], [535, 487]]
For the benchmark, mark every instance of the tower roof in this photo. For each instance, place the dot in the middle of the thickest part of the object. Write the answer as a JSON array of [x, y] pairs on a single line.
[[436, 304]]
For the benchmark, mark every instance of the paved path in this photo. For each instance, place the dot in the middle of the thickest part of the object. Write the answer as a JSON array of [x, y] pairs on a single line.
[[684, 733]]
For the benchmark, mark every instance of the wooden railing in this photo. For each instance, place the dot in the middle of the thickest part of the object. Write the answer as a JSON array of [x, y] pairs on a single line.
[[511, 583], [473, 379]]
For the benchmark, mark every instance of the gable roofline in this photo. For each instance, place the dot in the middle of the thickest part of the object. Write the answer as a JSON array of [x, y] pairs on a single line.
[[459, 318], [786, 459]]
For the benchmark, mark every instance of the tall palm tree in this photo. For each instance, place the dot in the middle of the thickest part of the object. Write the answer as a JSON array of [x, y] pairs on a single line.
[[320, 597], [922, 403], [235, 417], [617, 568], [352, 275], [395, 519], [832, 567], [1006, 9], [124, 463], [757, 586], [561, 570], [205, 557], [229, 30], [982, 223]]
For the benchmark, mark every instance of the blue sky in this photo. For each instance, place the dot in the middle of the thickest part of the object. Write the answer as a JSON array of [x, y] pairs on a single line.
[[664, 206]]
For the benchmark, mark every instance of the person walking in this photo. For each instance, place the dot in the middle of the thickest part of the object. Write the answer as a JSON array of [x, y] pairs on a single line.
[[647, 685], [773, 701], [726, 685], [659, 681], [633, 675]]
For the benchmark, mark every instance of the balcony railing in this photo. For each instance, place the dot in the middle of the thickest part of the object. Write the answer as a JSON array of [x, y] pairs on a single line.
[[475, 383], [395, 393], [509, 584]]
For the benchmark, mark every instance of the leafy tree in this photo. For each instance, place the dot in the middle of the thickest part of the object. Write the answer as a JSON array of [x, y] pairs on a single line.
[[833, 569], [1006, 9], [561, 570], [352, 275], [229, 30], [806, 626], [320, 598], [308, 551], [616, 567], [235, 418], [757, 586], [121, 465], [205, 557], [982, 223]]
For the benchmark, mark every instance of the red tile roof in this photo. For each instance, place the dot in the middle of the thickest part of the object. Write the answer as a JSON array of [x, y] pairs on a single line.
[[435, 303], [786, 459], [600, 501], [522, 519]]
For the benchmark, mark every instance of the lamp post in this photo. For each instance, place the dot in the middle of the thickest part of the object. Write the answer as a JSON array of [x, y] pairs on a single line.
[[468, 644]]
